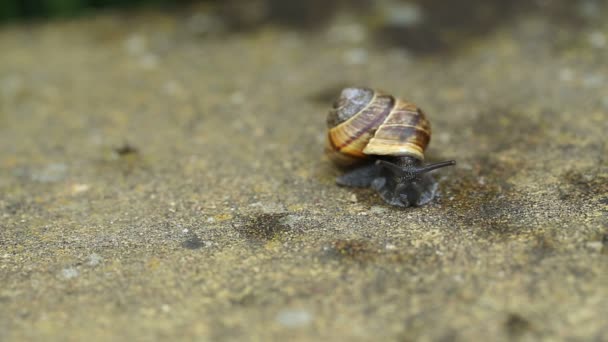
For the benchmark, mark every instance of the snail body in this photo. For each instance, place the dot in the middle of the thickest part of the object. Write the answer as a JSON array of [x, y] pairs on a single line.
[[383, 139]]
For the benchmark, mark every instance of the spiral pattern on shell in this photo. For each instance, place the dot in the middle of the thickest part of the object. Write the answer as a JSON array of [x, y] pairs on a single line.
[[364, 122]]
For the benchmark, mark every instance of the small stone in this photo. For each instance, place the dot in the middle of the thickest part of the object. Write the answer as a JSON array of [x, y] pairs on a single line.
[[269, 208], [597, 40], [286, 163], [390, 247], [353, 198], [566, 75], [173, 88], [293, 318], [356, 56], [589, 9], [237, 98], [595, 246], [79, 188], [94, 259], [405, 14], [69, 273], [290, 220], [11, 86], [605, 102], [376, 209], [444, 137], [50, 173], [593, 81], [149, 61], [135, 44]]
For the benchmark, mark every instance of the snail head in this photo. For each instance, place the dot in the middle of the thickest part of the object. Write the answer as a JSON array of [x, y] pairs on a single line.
[[409, 172], [405, 182]]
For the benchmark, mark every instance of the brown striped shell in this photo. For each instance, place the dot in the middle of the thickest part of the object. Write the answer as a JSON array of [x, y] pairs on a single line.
[[364, 122]]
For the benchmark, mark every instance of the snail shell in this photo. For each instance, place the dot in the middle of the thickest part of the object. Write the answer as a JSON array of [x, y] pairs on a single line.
[[364, 122]]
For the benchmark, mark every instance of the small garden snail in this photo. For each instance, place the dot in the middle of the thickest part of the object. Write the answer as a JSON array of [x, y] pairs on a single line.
[[383, 138]]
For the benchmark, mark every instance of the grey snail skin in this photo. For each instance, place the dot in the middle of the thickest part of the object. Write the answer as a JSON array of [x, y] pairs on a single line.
[[381, 140]]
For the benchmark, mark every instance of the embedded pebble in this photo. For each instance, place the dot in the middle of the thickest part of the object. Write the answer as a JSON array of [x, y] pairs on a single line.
[[595, 246], [376, 209], [566, 75], [605, 102], [149, 61], [589, 9], [356, 56], [294, 318], [290, 220], [173, 88], [403, 13], [269, 208], [94, 259], [11, 86], [47, 174], [69, 273], [237, 98], [135, 44], [597, 40], [79, 188], [593, 81]]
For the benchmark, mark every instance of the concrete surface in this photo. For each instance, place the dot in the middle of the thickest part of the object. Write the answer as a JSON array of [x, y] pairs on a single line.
[[162, 178]]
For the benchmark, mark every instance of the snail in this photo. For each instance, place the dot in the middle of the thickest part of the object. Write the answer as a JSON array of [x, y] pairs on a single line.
[[382, 139]]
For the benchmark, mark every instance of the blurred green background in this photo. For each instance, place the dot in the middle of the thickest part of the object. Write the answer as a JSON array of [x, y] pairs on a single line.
[[24, 9]]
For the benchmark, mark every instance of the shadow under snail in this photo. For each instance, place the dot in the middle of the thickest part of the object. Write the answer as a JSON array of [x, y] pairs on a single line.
[[382, 139]]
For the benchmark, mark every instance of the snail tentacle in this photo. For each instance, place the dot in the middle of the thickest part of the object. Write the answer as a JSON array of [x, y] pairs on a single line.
[[435, 166]]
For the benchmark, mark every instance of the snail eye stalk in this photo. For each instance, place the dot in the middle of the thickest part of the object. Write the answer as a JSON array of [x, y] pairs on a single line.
[[431, 167], [390, 166]]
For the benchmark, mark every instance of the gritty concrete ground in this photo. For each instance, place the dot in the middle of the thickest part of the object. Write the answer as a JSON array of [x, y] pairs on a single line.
[[162, 178]]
